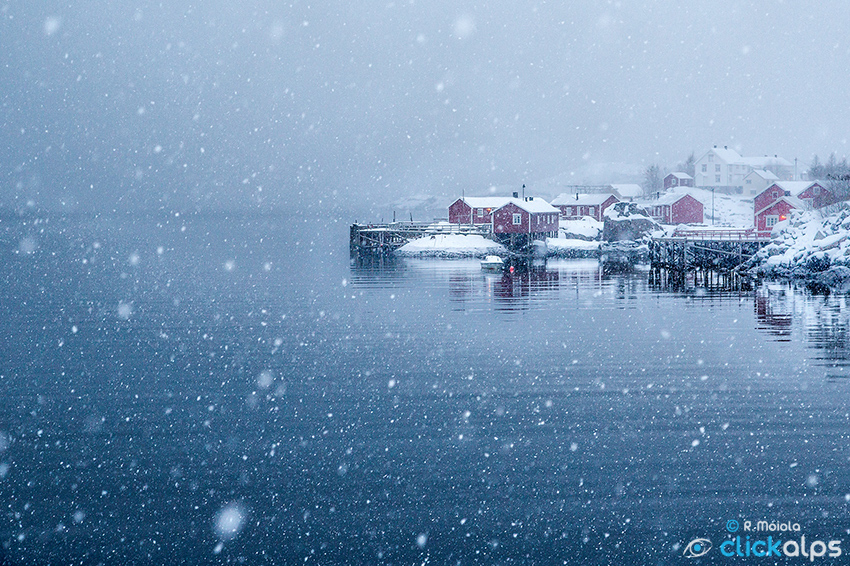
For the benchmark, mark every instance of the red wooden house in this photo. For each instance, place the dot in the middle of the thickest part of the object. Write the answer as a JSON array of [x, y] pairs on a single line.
[[817, 196], [775, 212], [678, 179], [768, 196], [574, 207], [475, 210], [676, 209], [532, 216]]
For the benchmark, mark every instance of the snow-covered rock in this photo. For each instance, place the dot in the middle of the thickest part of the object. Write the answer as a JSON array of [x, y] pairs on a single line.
[[807, 246], [627, 221], [570, 247]]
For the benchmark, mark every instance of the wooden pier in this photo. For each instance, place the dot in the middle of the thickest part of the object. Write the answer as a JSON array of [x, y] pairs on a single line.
[[716, 249], [386, 238]]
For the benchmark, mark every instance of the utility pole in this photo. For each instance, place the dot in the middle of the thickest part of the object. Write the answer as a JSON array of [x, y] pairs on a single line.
[[712, 206]]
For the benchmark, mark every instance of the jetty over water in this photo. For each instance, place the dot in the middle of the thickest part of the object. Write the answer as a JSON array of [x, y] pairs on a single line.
[[385, 238], [715, 248]]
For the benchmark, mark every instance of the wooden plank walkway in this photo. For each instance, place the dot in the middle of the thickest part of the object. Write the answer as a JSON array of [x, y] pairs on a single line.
[[717, 249], [715, 235]]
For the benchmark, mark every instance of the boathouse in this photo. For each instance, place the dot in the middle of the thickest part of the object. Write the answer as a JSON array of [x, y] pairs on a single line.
[[574, 207], [532, 216], [475, 210]]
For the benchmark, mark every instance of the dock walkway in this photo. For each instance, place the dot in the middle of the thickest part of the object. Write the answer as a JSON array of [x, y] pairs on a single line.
[[723, 249]]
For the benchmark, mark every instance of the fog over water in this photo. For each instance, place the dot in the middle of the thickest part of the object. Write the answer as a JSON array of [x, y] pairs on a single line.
[[221, 104]]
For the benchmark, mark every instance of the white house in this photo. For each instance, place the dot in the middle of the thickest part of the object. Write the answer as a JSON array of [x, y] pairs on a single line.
[[627, 191], [758, 180], [724, 169]]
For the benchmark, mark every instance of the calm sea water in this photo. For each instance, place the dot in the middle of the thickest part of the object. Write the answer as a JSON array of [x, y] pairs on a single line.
[[234, 389]]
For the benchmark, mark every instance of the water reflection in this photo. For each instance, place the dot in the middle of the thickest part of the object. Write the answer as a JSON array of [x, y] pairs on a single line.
[[782, 312], [821, 317], [774, 309]]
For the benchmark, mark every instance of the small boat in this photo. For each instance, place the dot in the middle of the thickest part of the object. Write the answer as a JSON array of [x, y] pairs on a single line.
[[492, 263]]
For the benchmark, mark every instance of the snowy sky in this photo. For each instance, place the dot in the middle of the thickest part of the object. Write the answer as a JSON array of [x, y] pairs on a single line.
[[214, 103]]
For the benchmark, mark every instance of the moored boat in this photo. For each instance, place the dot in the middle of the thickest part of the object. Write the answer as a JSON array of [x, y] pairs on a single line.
[[492, 263]]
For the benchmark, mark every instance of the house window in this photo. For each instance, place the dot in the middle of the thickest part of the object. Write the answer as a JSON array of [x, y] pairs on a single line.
[[569, 211], [770, 221], [517, 219], [717, 168], [816, 191], [592, 211], [749, 181], [480, 212], [717, 178], [704, 168]]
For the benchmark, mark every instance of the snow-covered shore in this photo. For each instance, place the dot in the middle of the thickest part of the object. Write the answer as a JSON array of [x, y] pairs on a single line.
[[451, 245], [810, 246], [460, 246], [569, 247]]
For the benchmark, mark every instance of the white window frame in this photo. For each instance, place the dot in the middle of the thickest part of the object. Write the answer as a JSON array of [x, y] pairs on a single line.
[[770, 220], [517, 219]]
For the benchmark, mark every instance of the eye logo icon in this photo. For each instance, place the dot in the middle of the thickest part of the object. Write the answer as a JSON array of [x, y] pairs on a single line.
[[697, 547]]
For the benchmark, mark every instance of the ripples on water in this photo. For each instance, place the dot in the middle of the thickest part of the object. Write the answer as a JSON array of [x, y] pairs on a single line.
[[194, 390]]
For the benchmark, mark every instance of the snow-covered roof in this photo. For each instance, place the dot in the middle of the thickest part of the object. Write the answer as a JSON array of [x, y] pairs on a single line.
[[594, 199], [793, 187], [726, 154], [793, 201], [731, 156], [764, 174], [533, 205], [667, 198], [766, 161], [628, 189], [486, 202]]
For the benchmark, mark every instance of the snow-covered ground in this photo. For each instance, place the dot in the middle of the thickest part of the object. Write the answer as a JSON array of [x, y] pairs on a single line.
[[734, 211], [585, 228], [451, 245], [564, 247], [809, 245]]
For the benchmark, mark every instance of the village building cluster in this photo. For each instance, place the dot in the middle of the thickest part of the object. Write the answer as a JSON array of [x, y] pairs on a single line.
[[772, 183]]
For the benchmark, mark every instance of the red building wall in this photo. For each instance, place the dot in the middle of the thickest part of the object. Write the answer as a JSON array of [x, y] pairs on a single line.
[[503, 220], [529, 223], [686, 210], [584, 209], [780, 208], [818, 195], [767, 196], [671, 181], [460, 213]]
